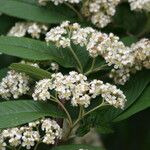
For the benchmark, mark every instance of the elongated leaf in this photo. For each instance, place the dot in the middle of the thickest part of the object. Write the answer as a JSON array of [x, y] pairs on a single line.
[[25, 48], [37, 50], [32, 71], [29, 11], [76, 147], [14, 113], [142, 103]]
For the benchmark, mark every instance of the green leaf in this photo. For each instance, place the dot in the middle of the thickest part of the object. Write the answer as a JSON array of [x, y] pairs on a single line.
[[76, 147], [143, 102], [14, 113], [104, 129], [131, 21], [25, 48], [34, 72], [36, 50], [30, 11], [128, 40]]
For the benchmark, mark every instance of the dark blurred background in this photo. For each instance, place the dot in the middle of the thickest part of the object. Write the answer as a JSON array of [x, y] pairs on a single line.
[[130, 134]]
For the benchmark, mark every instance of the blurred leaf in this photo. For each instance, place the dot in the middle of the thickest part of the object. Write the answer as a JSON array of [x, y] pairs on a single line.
[[14, 113], [76, 147], [141, 103], [6, 23], [131, 21], [104, 129], [128, 40], [34, 72], [29, 11]]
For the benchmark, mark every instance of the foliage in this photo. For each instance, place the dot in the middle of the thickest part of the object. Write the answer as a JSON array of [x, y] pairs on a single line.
[[44, 59]]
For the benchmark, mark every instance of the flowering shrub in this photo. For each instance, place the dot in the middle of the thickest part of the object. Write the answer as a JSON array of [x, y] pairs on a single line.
[[74, 66]]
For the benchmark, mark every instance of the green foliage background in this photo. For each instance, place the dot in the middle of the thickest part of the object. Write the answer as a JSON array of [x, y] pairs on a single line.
[[130, 134]]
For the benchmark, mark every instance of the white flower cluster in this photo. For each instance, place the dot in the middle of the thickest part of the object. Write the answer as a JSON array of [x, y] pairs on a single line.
[[57, 2], [27, 136], [108, 46], [14, 84], [22, 28], [97, 43], [100, 12], [57, 35], [140, 53], [78, 90], [52, 131], [140, 5]]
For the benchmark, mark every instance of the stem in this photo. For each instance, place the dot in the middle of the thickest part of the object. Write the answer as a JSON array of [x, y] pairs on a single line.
[[80, 112], [96, 69], [92, 66], [102, 104], [79, 119], [72, 127], [37, 144], [77, 12], [77, 59], [66, 111]]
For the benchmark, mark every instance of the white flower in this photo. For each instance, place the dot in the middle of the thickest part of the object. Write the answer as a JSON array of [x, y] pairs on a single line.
[[113, 96], [81, 36], [34, 30], [22, 28], [2, 143], [14, 84], [57, 35], [42, 90], [54, 66], [138, 57], [19, 30], [140, 5], [100, 11], [14, 136], [76, 89], [52, 131], [29, 138], [109, 93], [141, 51]]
